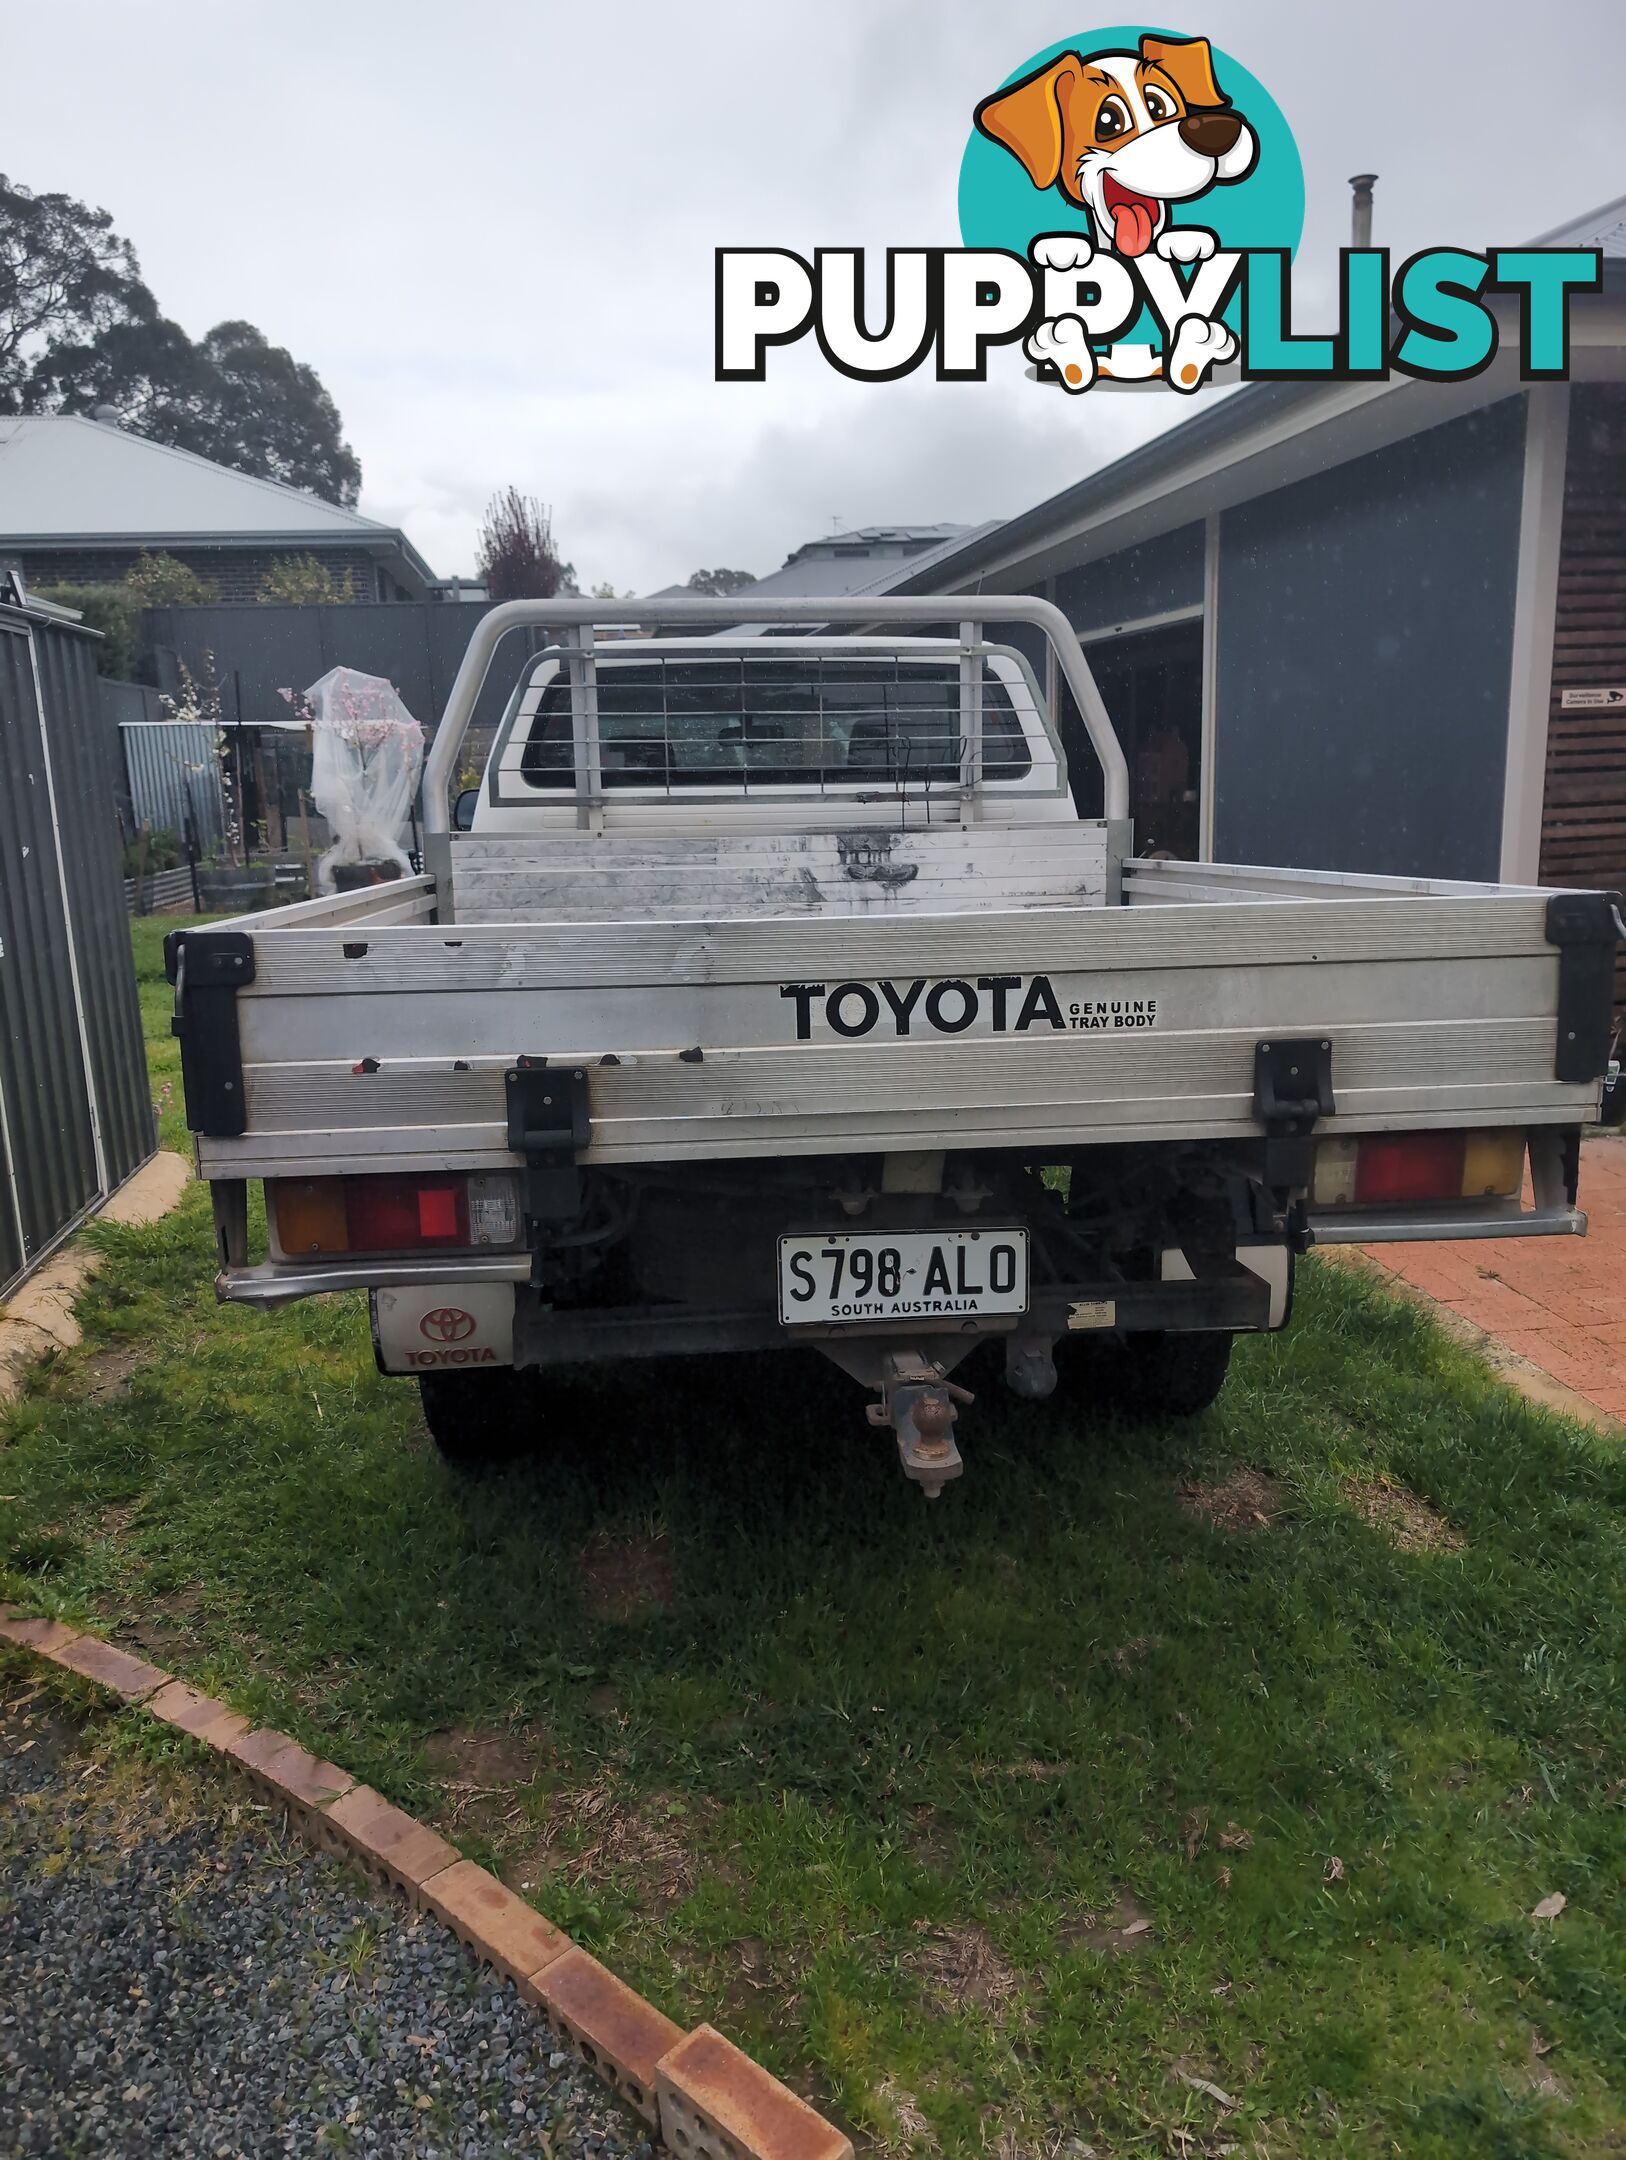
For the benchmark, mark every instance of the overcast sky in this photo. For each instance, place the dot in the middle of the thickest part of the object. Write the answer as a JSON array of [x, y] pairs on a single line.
[[490, 228]]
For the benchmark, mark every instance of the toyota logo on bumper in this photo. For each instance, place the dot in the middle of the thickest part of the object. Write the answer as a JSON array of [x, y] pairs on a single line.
[[447, 1324]]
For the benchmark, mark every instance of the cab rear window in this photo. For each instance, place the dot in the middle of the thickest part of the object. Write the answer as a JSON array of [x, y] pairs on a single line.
[[778, 723]]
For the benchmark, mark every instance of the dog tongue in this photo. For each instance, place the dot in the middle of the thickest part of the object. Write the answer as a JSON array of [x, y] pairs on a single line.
[[1132, 226]]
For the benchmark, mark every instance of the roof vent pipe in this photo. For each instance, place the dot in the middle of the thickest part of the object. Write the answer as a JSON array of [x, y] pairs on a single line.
[[1360, 217]]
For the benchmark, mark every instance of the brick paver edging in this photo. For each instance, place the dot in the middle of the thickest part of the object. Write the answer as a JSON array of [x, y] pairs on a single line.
[[707, 2100]]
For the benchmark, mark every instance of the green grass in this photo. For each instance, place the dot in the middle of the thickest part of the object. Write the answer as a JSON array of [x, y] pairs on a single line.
[[869, 1738]]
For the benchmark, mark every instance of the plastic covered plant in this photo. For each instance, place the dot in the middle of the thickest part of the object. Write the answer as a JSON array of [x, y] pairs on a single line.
[[367, 751]]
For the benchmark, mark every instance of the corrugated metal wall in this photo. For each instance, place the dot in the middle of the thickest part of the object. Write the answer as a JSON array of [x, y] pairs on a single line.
[[75, 1112], [173, 769]]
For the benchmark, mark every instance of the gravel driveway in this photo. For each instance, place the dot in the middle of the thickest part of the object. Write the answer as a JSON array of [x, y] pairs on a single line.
[[175, 1978]]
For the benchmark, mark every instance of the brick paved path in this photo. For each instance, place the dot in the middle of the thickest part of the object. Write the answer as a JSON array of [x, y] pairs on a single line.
[[1558, 1302]]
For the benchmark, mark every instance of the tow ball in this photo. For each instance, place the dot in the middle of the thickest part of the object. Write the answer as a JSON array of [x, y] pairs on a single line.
[[921, 1405]]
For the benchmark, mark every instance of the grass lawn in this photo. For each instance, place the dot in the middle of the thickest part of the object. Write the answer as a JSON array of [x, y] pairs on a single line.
[[888, 1789]]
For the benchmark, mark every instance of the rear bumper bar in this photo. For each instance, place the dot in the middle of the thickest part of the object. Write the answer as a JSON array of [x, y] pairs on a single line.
[[1378, 1229], [273, 1283], [543, 1336]]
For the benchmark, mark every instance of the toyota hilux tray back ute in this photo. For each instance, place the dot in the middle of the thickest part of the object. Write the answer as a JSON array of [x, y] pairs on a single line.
[[770, 991]]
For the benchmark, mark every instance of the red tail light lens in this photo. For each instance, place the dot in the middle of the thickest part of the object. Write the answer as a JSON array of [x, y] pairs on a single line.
[[394, 1214], [403, 1214], [1409, 1166]]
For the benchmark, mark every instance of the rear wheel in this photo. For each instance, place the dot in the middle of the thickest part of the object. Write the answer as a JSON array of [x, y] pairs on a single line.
[[481, 1421], [1160, 1375]]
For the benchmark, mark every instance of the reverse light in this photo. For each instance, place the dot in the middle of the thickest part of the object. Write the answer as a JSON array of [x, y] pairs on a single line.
[[1385, 1169], [444, 1211]]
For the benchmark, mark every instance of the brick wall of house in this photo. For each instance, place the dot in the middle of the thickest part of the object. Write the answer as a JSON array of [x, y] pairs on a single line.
[[234, 573]]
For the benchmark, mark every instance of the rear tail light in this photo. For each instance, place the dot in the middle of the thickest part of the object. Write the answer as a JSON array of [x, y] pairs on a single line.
[[443, 1212], [1382, 1169], [395, 1214]]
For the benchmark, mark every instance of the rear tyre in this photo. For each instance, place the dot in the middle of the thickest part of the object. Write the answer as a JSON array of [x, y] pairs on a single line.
[[481, 1421], [1160, 1375]]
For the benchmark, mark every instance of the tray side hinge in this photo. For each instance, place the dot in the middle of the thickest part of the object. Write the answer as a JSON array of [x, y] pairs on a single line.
[[208, 968], [1292, 1089], [1583, 927], [550, 1124]]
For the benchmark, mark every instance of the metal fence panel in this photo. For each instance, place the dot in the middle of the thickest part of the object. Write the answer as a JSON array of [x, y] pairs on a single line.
[[49, 1137], [107, 984], [75, 1115], [174, 772]]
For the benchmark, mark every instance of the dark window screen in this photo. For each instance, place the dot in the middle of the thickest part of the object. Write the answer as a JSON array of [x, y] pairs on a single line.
[[778, 723]]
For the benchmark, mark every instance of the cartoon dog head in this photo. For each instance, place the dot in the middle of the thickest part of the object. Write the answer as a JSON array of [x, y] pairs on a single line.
[[1123, 134]]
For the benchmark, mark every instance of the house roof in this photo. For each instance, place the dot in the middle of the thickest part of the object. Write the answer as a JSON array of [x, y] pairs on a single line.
[[67, 481], [868, 559], [808, 574], [872, 540], [1603, 228]]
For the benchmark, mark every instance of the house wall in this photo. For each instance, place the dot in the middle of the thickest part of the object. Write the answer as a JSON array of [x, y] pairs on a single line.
[[1364, 648], [234, 573], [1159, 575]]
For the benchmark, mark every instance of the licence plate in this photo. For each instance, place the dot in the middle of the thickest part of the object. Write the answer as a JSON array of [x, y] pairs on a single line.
[[902, 1275]]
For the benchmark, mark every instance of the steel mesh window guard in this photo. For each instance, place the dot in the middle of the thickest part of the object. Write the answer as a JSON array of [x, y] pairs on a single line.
[[739, 722]]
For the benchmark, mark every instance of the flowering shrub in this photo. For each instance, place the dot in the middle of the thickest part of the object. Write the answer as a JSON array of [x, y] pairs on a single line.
[[164, 581], [303, 581]]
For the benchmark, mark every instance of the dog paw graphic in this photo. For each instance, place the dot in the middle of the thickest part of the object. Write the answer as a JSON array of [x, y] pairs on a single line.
[[1198, 346], [1062, 251], [1065, 344], [1185, 244]]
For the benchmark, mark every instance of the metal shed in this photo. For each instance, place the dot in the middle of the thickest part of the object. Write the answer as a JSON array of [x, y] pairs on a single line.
[[75, 1109]]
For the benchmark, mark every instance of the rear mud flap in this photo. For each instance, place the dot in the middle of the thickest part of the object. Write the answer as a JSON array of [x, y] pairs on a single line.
[[443, 1327]]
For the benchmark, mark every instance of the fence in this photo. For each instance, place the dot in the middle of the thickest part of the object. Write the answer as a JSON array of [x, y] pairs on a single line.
[[75, 1111], [174, 779], [254, 653], [160, 892]]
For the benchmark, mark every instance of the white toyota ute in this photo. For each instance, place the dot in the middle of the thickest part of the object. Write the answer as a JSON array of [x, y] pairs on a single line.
[[769, 991]]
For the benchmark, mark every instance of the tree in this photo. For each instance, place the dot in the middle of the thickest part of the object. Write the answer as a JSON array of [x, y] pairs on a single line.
[[66, 278], [147, 371], [300, 580], [79, 330], [260, 410], [235, 398], [115, 612], [517, 559], [718, 584]]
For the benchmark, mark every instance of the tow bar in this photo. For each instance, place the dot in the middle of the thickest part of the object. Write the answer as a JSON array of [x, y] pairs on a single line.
[[921, 1405]]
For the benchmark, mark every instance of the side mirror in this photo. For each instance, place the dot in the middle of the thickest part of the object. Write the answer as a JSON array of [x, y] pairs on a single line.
[[463, 809]]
